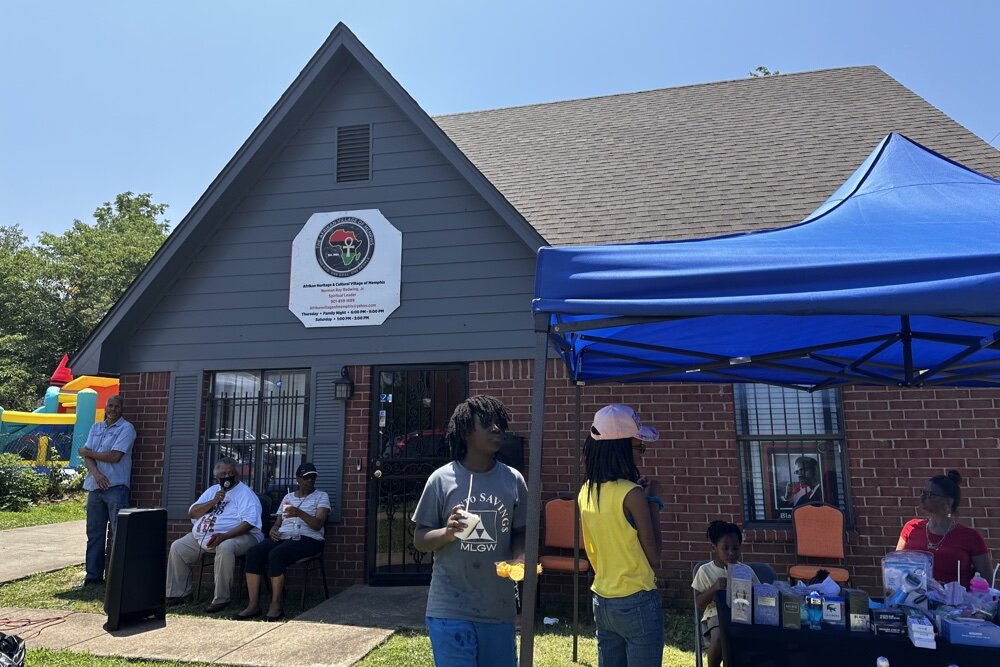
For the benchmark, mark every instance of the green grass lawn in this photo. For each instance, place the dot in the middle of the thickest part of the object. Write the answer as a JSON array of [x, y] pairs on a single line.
[[62, 590], [407, 648], [553, 645], [72, 509], [45, 658]]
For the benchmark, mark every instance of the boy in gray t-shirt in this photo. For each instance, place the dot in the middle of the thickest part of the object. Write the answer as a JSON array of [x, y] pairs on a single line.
[[470, 610]]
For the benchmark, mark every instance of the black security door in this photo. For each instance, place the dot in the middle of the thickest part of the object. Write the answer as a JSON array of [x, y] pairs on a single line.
[[410, 410]]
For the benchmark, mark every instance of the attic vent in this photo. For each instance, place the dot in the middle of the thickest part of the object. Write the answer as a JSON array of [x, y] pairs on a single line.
[[353, 153]]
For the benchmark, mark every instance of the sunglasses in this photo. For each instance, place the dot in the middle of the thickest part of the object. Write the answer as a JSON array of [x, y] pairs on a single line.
[[639, 447], [931, 494]]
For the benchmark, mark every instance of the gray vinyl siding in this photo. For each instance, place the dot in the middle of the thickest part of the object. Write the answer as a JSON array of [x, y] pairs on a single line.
[[467, 279]]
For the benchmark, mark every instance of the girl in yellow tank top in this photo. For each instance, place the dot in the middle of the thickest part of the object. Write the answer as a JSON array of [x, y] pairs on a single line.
[[619, 511]]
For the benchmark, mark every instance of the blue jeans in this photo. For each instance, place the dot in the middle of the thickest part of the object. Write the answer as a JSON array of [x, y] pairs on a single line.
[[465, 643], [629, 630], [102, 509]]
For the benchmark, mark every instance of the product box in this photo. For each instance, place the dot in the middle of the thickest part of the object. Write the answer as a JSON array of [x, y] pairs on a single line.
[[888, 616], [739, 578], [791, 610], [765, 605], [921, 632], [833, 611], [970, 631], [891, 629], [857, 609]]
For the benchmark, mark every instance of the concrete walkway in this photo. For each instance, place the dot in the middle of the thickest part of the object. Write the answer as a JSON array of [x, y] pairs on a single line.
[[339, 632], [28, 551]]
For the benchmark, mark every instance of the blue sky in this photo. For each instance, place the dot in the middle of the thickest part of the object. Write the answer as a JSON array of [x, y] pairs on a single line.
[[104, 97]]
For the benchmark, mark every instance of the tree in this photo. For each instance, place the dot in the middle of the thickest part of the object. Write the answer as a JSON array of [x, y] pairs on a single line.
[[761, 71], [56, 291], [17, 294], [91, 266]]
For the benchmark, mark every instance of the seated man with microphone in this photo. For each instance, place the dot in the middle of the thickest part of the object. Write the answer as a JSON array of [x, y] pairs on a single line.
[[226, 521]]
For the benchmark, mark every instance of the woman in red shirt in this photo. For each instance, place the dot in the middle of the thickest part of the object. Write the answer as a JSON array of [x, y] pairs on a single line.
[[949, 541]]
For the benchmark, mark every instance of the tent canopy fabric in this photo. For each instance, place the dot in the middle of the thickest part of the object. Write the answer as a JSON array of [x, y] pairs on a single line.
[[894, 280]]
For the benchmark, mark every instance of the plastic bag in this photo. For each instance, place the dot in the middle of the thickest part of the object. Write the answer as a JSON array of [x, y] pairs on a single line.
[[904, 577], [827, 588], [11, 651]]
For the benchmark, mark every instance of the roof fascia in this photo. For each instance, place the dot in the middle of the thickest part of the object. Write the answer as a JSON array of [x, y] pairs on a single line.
[[212, 197], [482, 185], [341, 37]]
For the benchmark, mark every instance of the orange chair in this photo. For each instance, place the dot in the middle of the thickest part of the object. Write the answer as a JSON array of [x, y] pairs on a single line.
[[559, 520], [819, 533]]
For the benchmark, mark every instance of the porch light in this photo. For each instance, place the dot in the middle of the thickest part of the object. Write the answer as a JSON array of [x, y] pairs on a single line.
[[343, 387]]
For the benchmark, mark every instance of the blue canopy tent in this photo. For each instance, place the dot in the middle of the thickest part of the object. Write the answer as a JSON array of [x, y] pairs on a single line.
[[894, 281]]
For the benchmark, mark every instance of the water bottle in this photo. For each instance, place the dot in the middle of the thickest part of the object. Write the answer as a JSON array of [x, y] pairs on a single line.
[[296, 529], [979, 587]]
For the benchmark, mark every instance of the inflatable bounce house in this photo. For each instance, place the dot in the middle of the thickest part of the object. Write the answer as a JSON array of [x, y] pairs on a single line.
[[60, 426]]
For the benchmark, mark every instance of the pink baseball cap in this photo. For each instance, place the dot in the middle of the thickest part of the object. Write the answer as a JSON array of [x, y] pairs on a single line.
[[614, 422]]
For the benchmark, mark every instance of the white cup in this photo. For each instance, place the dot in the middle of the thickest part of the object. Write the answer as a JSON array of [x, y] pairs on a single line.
[[471, 521]]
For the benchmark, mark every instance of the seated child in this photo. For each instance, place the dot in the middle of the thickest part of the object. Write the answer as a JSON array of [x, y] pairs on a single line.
[[726, 538]]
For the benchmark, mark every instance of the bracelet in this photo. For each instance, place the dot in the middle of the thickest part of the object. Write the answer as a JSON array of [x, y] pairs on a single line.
[[655, 499]]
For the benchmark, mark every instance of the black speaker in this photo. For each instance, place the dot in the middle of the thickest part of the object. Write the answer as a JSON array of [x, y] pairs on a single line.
[[138, 572]]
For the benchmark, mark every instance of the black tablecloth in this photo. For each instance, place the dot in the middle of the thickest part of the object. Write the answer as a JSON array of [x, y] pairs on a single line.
[[766, 646]]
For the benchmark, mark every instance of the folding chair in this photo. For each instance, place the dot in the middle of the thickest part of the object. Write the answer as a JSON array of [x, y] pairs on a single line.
[[207, 560], [312, 564], [819, 533], [560, 517]]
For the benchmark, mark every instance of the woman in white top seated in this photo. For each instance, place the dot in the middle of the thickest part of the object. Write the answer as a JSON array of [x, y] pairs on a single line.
[[296, 534]]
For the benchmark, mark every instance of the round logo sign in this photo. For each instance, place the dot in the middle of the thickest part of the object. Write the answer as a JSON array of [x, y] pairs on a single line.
[[345, 246]]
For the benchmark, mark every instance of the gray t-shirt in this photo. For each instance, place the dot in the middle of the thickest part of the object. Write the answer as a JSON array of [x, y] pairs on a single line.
[[464, 581]]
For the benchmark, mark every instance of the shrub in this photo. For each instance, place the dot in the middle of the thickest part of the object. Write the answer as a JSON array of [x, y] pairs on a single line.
[[73, 479], [20, 485], [54, 483], [60, 481]]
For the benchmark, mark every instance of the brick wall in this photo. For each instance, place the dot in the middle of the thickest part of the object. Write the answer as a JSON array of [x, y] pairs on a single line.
[[896, 439], [345, 541], [694, 460], [146, 396]]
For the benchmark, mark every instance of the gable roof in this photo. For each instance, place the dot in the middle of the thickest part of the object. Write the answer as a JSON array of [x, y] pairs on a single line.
[[674, 163], [702, 160], [338, 52]]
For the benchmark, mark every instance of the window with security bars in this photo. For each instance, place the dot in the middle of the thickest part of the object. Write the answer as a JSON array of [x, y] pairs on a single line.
[[259, 418], [791, 447], [353, 153]]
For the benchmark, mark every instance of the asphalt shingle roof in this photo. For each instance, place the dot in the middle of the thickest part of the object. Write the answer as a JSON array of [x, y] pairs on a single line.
[[702, 160]]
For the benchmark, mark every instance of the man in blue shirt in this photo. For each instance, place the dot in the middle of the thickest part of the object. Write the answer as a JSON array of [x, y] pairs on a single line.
[[108, 457]]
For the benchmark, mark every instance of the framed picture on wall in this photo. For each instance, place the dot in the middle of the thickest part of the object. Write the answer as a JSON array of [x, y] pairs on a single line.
[[787, 490]]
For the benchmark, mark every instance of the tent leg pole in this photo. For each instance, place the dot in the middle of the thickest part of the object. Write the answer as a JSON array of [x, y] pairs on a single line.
[[907, 336], [576, 531], [534, 501]]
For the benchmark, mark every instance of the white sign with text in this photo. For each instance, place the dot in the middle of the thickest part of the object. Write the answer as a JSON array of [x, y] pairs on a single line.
[[346, 268]]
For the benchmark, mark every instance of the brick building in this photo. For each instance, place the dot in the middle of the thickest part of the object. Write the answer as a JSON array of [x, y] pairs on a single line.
[[213, 360]]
